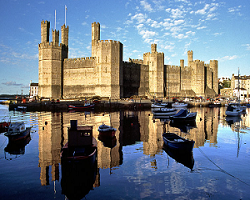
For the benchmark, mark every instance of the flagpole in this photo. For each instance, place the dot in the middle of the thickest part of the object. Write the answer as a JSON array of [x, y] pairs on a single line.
[[55, 19], [65, 15]]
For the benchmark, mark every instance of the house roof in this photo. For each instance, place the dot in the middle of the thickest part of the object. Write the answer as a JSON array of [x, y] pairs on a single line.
[[34, 84]]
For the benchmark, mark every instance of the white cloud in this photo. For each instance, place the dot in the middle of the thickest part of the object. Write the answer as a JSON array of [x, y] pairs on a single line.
[[147, 34], [140, 18], [176, 13], [226, 58], [146, 6], [247, 46]]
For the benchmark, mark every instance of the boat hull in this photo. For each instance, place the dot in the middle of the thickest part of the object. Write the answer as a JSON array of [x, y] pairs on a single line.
[[87, 153], [106, 131], [164, 112], [233, 114], [81, 107], [176, 142], [189, 117], [4, 126], [21, 136], [109, 133]]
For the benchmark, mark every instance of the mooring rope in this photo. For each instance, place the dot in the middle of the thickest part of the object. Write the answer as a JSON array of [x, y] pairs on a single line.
[[222, 170]]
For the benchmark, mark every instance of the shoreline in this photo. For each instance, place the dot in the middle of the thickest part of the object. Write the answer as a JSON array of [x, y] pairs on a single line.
[[114, 105]]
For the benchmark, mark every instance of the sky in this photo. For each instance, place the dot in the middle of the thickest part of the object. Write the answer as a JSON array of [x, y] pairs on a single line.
[[212, 29]]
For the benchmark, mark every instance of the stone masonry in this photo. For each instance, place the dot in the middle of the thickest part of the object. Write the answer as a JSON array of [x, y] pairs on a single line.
[[105, 73]]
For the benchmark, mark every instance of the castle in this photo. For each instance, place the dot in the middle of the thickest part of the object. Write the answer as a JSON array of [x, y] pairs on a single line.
[[105, 74]]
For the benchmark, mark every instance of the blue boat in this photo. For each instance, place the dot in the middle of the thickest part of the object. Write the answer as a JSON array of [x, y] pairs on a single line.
[[184, 115], [174, 141]]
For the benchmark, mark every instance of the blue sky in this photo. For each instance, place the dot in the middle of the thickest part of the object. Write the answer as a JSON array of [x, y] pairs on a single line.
[[213, 29]]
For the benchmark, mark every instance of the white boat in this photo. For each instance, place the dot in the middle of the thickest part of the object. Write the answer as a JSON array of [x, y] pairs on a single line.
[[164, 112], [179, 105], [17, 131], [158, 105], [233, 110]]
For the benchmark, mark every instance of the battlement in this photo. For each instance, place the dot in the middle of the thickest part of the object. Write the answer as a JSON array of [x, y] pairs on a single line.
[[45, 22], [137, 61], [80, 59], [146, 54], [95, 23], [108, 42], [50, 45]]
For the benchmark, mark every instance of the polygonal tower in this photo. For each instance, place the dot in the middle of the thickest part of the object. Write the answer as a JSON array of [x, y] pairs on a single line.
[[51, 57], [109, 56], [155, 61]]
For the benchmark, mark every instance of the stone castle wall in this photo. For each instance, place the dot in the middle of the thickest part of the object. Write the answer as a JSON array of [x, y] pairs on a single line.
[[106, 75], [78, 73]]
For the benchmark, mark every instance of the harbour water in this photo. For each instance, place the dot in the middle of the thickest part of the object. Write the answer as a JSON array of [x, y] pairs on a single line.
[[134, 164]]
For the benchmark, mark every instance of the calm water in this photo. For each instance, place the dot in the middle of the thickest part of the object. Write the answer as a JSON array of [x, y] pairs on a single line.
[[134, 166]]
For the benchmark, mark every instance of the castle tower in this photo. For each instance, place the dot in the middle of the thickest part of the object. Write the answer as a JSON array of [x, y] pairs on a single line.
[[95, 36], [109, 56], [190, 57], [45, 26], [51, 57], [214, 67], [156, 71]]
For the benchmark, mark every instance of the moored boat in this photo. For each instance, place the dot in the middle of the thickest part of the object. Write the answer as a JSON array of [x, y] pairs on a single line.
[[81, 107], [233, 110], [179, 105], [158, 105], [214, 104], [174, 141], [164, 112], [17, 131], [81, 144], [106, 130], [184, 115]]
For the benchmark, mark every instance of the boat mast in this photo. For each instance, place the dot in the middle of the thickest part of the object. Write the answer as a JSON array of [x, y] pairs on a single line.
[[238, 84]]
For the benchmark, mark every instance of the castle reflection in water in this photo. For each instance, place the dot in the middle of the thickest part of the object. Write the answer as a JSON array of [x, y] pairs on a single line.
[[132, 127]]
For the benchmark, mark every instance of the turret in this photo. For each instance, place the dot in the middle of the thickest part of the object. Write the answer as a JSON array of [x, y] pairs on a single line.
[[182, 63], [45, 26], [95, 31], [190, 57], [65, 35], [55, 37], [153, 48]]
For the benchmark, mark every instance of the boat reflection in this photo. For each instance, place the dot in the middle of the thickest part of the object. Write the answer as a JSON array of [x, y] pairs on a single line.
[[78, 178], [183, 157], [16, 148], [184, 127], [107, 141], [233, 119]]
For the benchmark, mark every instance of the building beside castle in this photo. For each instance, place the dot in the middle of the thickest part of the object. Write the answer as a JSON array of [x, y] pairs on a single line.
[[105, 73]]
